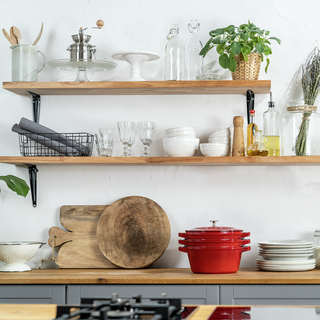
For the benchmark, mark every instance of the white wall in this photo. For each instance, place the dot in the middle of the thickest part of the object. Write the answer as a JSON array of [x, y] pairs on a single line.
[[270, 202]]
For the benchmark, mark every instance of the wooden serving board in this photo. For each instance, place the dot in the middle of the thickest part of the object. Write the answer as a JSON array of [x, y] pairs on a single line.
[[79, 246], [133, 232]]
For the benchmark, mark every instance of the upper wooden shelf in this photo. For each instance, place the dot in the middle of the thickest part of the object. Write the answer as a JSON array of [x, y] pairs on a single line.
[[139, 87], [165, 161]]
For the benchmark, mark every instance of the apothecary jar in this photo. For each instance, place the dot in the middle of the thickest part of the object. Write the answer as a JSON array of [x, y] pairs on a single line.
[[300, 129]]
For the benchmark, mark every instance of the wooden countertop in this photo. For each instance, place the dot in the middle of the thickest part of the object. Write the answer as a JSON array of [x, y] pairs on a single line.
[[156, 276]]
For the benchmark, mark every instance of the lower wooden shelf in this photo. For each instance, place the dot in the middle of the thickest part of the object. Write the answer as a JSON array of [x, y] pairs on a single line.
[[165, 161]]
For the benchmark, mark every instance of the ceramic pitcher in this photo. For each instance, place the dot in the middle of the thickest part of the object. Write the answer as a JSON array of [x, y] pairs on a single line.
[[24, 64]]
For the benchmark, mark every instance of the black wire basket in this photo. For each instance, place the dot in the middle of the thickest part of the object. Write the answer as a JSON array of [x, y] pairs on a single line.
[[56, 144]]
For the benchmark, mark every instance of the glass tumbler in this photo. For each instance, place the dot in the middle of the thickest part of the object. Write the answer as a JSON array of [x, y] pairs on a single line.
[[127, 133], [146, 133]]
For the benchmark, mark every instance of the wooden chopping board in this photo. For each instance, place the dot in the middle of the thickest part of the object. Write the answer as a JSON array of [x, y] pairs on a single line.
[[133, 232], [79, 246]]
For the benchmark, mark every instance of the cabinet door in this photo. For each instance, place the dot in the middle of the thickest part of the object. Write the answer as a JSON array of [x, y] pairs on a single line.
[[33, 294], [190, 294], [270, 294]]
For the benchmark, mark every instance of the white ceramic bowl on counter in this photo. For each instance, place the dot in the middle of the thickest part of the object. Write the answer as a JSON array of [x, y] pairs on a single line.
[[224, 133], [180, 147], [214, 149]]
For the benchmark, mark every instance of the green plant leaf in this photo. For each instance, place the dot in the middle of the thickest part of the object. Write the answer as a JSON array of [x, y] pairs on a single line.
[[246, 49], [220, 48], [245, 56], [243, 27], [16, 184], [267, 33], [216, 40], [260, 48], [231, 29], [266, 68], [277, 39], [224, 61], [232, 64], [267, 50], [217, 31], [236, 47], [245, 36], [235, 35]]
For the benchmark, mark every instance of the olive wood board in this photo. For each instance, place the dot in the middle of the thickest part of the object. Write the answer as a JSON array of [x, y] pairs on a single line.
[[133, 232], [78, 246]]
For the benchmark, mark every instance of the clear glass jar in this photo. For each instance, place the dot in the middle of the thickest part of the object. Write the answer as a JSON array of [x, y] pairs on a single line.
[[300, 129], [174, 56], [316, 247], [194, 62]]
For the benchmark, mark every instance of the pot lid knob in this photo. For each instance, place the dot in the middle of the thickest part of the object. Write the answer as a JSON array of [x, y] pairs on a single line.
[[213, 222]]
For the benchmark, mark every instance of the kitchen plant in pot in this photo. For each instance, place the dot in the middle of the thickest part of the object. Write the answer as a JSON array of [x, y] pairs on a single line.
[[241, 49], [16, 184]]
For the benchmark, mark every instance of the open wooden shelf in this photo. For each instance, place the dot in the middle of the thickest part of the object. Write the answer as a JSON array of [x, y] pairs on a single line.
[[139, 87], [165, 161]]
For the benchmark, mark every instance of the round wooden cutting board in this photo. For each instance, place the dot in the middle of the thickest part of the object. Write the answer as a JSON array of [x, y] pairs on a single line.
[[133, 232]]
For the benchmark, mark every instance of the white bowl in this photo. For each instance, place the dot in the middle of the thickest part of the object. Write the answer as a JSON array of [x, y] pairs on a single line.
[[223, 140], [214, 149], [181, 151], [221, 133], [181, 142], [193, 129], [181, 133], [15, 254]]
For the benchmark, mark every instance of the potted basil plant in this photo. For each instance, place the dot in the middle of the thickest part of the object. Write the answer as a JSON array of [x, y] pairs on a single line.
[[16, 184], [240, 46]]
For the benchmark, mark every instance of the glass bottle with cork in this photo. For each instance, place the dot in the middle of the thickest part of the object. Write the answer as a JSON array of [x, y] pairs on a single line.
[[271, 128], [251, 128]]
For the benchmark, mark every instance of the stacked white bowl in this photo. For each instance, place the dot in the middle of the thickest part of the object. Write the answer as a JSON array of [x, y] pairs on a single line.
[[181, 142], [219, 144]]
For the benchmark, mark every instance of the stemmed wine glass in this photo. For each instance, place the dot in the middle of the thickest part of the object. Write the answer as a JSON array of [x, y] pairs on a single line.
[[146, 132], [127, 134]]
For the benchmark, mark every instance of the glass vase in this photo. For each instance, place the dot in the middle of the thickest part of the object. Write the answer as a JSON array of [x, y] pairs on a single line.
[[300, 129]]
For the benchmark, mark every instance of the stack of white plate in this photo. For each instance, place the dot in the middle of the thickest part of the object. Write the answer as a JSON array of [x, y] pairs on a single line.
[[286, 255]]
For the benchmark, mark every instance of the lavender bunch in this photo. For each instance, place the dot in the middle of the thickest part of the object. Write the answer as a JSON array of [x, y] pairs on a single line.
[[310, 81]]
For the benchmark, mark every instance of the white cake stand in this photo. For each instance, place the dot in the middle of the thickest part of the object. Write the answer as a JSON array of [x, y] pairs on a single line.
[[135, 59]]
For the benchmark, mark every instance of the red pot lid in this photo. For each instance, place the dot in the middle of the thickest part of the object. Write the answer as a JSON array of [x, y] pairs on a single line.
[[214, 228]]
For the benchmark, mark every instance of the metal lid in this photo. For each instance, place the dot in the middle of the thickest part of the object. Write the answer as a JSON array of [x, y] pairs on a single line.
[[214, 228]]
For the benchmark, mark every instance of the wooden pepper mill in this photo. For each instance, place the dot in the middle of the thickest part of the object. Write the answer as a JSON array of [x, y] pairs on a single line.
[[238, 140]]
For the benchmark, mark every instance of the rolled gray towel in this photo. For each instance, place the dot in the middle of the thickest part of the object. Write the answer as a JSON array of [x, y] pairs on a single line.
[[54, 145], [46, 132]]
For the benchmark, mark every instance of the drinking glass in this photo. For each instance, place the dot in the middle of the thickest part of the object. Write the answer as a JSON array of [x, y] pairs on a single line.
[[146, 132], [127, 134], [104, 145]]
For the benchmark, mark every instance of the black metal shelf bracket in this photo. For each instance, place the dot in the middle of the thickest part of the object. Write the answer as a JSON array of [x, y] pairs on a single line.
[[36, 100], [33, 182]]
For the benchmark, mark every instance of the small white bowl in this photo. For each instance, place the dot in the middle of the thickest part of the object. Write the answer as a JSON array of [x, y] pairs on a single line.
[[15, 254], [180, 151], [222, 140], [221, 133], [214, 149], [181, 133], [194, 129]]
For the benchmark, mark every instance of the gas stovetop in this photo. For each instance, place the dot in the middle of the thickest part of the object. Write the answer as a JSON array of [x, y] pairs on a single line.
[[121, 309]]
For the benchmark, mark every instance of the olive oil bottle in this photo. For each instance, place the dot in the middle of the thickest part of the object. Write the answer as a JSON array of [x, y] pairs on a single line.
[[251, 128], [258, 147], [271, 128]]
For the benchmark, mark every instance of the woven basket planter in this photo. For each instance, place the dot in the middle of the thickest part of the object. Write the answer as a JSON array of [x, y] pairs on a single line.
[[247, 70]]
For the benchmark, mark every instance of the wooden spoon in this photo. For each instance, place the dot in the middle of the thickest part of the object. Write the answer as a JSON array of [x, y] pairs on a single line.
[[6, 34], [13, 38], [16, 33], [38, 37]]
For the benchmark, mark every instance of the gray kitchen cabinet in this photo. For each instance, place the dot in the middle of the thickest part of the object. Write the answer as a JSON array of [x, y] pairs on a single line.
[[190, 294], [13, 293], [270, 294]]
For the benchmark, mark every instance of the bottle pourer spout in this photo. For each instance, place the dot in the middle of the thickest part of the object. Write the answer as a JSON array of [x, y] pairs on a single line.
[[271, 103]]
